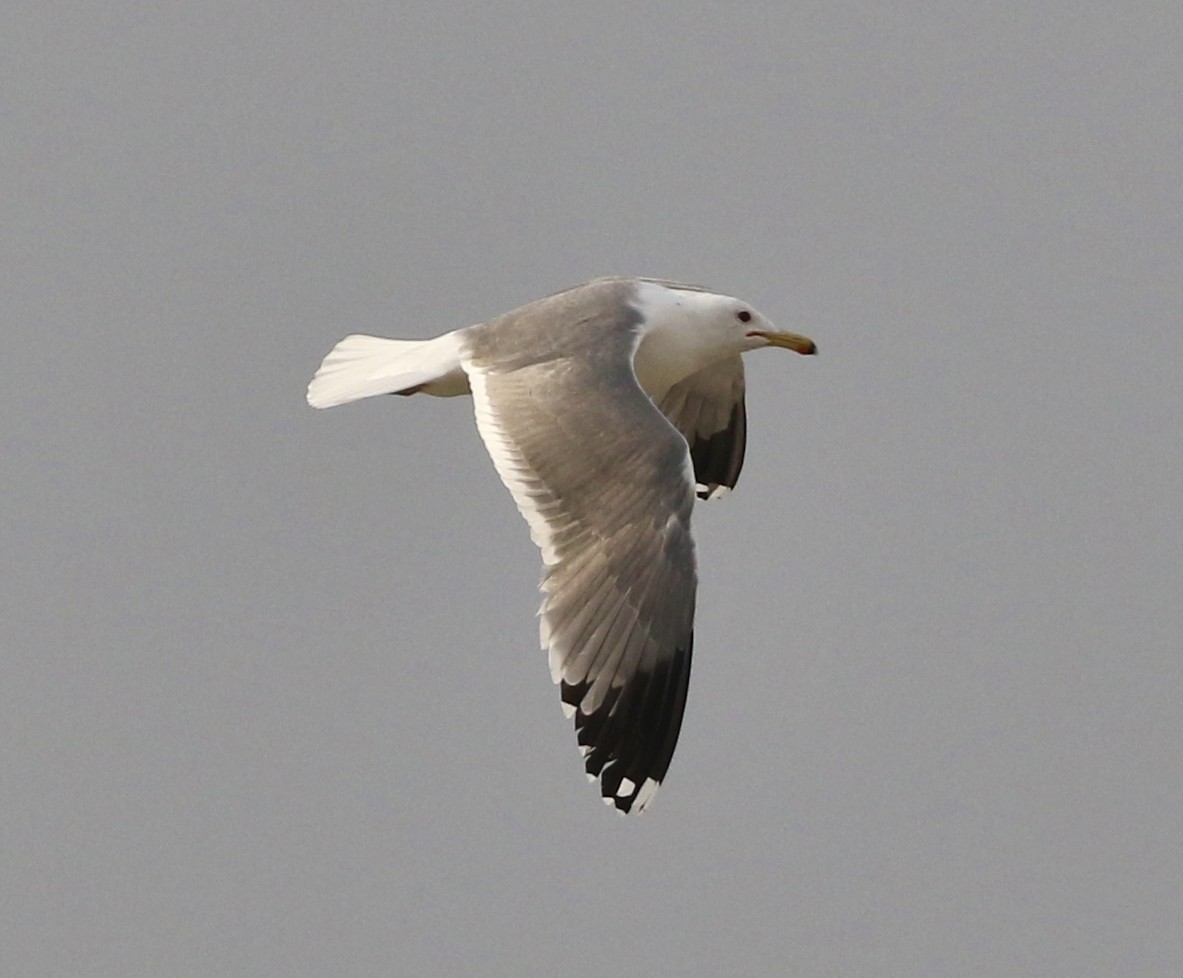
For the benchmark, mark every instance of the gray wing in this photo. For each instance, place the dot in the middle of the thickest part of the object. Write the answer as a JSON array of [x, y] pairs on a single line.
[[708, 409], [605, 484]]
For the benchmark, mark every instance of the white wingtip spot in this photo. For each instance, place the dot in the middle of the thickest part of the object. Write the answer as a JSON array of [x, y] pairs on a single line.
[[626, 788], [645, 795], [719, 492], [568, 710]]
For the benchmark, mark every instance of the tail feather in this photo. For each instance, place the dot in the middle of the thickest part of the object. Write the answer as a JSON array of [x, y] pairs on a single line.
[[362, 366]]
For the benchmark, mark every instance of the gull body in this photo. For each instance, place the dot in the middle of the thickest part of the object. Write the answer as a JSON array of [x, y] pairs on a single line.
[[605, 408]]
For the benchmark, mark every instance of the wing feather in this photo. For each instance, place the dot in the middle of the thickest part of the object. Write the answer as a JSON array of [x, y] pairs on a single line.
[[708, 409], [603, 480]]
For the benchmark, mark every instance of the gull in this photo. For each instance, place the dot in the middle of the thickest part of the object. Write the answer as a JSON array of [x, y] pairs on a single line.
[[606, 409]]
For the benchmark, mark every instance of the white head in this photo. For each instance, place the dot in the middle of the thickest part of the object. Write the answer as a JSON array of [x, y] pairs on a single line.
[[687, 328]]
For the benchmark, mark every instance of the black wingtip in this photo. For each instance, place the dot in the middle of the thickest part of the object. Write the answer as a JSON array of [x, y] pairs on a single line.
[[629, 739]]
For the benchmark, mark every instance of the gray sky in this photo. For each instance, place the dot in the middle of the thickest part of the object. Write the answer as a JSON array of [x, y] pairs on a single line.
[[271, 697]]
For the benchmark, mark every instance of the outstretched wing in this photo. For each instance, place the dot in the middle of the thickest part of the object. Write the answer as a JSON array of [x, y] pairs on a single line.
[[708, 409], [606, 486]]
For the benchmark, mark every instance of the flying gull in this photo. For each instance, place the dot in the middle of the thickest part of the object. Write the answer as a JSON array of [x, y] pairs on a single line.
[[606, 408]]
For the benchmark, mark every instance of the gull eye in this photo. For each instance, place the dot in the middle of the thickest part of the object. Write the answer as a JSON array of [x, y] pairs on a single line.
[[744, 316]]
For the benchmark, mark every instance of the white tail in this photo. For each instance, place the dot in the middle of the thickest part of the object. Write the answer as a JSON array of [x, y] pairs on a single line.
[[362, 366]]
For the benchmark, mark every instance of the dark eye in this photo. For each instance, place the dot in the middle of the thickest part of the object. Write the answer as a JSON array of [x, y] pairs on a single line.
[[744, 316]]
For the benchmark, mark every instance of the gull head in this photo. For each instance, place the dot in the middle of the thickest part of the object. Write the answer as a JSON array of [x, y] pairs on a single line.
[[687, 329]]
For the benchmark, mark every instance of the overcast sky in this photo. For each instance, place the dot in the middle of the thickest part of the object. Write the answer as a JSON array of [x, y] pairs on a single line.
[[270, 693]]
